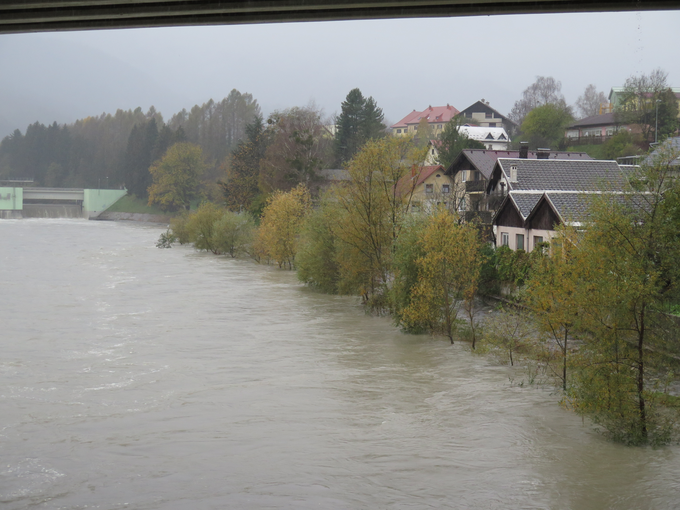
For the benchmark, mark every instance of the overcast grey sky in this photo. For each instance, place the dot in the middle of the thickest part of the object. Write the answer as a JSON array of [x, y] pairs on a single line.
[[403, 64]]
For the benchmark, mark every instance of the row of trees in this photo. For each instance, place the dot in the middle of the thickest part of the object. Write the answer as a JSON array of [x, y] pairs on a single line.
[[364, 239], [543, 114], [117, 150], [597, 309], [594, 302]]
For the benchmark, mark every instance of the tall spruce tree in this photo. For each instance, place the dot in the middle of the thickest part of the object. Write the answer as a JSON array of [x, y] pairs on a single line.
[[240, 186], [359, 121]]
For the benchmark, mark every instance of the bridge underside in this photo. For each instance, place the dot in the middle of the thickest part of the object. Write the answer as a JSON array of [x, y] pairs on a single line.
[[46, 15]]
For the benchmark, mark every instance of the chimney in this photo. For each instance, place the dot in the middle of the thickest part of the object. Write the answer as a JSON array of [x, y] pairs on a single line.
[[543, 153], [523, 150]]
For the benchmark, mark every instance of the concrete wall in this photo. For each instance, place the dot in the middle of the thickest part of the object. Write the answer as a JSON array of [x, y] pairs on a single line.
[[11, 199], [96, 201]]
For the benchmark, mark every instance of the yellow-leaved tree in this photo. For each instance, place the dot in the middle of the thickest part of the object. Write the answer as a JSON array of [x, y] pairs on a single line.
[[448, 274], [176, 177], [282, 221], [371, 208]]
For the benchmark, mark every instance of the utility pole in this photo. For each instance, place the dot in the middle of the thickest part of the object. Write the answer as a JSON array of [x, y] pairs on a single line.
[[656, 126]]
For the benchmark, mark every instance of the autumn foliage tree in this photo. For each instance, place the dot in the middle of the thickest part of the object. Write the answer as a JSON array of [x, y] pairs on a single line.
[[622, 270], [371, 207], [282, 222], [297, 149], [448, 274], [176, 177]]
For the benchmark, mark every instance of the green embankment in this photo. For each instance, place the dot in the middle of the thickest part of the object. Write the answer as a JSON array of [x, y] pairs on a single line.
[[131, 204]]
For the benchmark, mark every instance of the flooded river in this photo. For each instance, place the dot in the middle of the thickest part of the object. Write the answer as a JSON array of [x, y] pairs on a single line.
[[133, 377]]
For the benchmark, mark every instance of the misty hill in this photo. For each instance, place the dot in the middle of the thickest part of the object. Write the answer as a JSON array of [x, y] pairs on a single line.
[[38, 85]]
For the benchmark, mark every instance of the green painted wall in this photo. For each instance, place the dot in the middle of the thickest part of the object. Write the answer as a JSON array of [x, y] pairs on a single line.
[[11, 199], [96, 201]]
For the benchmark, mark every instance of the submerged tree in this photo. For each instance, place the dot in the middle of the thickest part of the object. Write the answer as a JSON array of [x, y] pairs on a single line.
[[448, 274], [627, 268], [282, 222], [372, 206]]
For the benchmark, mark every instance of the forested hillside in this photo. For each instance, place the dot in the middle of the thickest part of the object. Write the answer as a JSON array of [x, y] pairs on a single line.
[[116, 150]]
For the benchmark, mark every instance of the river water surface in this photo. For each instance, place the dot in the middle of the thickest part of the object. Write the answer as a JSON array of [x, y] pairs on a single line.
[[133, 377]]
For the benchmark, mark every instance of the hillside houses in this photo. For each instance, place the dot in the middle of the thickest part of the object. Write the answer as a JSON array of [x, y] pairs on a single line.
[[436, 117], [536, 195], [472, 169]]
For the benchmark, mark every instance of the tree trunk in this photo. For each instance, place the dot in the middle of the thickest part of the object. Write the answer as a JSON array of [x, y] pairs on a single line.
[[641, 375]]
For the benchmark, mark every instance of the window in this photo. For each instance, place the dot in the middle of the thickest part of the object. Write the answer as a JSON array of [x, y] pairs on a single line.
[[463, 175], [520, 242], [429, 188], [492, 124], [446, 188], [505, 239], [537, 240], [488, 115], [399, 130]]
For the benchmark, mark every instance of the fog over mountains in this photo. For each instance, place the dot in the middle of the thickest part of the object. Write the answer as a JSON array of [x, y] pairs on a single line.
[[404, 64], [43, 86]]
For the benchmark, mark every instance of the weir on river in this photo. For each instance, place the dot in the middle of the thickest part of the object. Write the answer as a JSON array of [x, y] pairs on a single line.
[[134, 377]]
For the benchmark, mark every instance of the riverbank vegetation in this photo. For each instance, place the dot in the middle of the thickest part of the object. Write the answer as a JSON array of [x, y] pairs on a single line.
[[586, 312]]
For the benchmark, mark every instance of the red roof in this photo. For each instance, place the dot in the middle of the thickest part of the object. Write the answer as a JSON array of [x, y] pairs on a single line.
[[406, 182], [433, 114]]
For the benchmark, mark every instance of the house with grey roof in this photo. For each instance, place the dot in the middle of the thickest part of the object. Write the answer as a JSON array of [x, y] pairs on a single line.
[[472, 169], [596, 129], [537, 195], [672, 146]]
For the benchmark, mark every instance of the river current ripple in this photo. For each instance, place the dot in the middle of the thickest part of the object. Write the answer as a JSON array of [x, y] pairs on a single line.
[[133, 377]]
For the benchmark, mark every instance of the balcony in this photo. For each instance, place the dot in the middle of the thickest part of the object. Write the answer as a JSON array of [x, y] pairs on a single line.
[[475, 186]]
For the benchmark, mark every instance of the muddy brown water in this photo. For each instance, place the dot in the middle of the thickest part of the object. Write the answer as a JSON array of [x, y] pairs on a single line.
[[133, 377]]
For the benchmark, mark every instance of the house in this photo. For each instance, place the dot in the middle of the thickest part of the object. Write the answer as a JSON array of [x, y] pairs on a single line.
[[481, 114], [536, 195], [436, 117], [596, 129], [617, 97], [472, 169], [493, 138], [671, 144], [431, 187]]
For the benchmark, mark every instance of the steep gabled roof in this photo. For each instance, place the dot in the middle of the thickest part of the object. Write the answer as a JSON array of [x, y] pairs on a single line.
[[569, 207], [523, 203], [479, 106], [481, 133], [563, 175], [433, 114], [484, 160]]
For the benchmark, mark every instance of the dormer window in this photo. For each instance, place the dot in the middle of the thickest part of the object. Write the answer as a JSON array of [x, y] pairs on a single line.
[[489, 136], [502, 137]]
